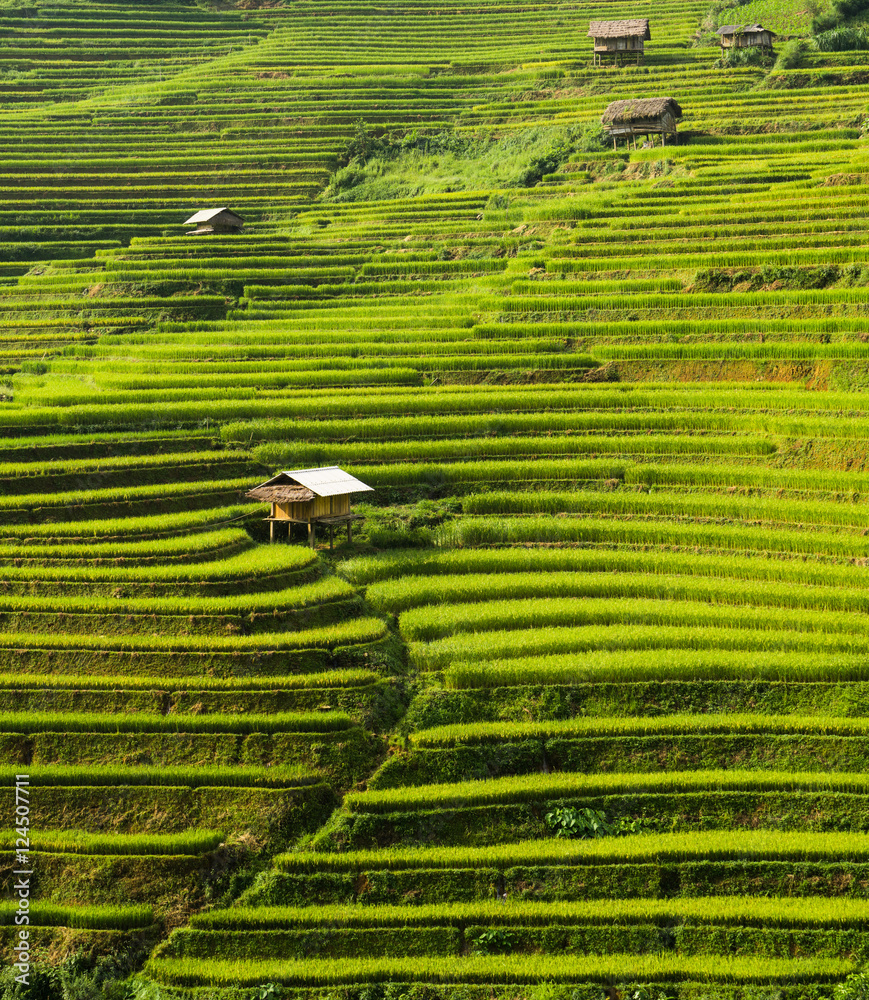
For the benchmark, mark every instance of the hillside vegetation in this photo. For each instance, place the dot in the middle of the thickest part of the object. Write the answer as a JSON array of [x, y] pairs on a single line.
[[582, 712]]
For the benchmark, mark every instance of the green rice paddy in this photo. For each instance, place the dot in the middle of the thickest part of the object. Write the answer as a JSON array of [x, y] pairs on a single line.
[[581, 710]]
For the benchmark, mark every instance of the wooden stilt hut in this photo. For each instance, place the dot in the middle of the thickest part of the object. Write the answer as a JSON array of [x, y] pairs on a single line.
[[312, 497], [619, 42], [745, 36], [646, 116], [215, 222]]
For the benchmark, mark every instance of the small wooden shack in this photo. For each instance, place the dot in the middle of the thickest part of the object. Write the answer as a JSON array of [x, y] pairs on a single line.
[[310, 496], [743, 36], [214, 222], [619, 41], [646, 116]]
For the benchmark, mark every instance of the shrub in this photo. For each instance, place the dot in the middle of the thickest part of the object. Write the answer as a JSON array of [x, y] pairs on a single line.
[[581, 823], [836, 13], [494, 941], [842, 38], [745, 57], [791, 55], [855, 987]]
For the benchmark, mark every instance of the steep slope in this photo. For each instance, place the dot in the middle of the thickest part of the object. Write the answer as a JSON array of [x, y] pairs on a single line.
[[638, 649]]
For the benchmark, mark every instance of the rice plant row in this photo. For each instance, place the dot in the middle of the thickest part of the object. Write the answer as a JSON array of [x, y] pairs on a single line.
[[758, 537], [670, 632], [416, 600], [659, 664], [194, 972], [98, 775], [43, 914], [547, 788], [712, 845], [355, 631], [735, 724], [144, 722], [739, 910]]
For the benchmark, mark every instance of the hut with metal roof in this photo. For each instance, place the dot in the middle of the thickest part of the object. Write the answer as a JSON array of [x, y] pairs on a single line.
[[744, 36], [619, 41], [214, 222], [312, 497], [648, 116]]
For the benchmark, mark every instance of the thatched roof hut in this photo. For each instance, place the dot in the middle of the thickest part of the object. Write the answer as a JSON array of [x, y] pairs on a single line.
[[618, 41], [215, 221], [312, 497], [642, 116], [742, 36]]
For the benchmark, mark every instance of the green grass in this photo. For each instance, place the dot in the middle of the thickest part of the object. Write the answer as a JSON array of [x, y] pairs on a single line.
[[611, 536], [194, 842], [430, 623], [412, 598], [83, 918], [735, 724], [391, 575], [303, 595], [352, 632], [739, 910], [326, 679], [467, 647], [787, 17], [626, 666], [711, 845], [496, 969], [753, 538], [540, 788], [144, 722], [98, 775]]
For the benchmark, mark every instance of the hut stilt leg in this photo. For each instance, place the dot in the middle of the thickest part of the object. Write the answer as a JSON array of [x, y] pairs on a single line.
[[271, 531], [312, 532], [331, 537], [349, 532]]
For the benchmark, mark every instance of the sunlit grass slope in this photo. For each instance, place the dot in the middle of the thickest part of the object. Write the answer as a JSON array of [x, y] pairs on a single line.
[[624, 390]]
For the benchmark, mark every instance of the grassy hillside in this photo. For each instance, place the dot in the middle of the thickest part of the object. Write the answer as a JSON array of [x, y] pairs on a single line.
[[581, 712]]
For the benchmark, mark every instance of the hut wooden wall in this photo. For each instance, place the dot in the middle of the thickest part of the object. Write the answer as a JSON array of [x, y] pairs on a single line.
[[310, 509]]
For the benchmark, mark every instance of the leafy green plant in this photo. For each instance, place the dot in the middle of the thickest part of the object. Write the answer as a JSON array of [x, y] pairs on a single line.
[[586, 823], [495, 941], [631, 992], [855, 987], [579, 823]]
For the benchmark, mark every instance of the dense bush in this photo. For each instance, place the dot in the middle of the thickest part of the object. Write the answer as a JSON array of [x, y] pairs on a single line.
[[759, 57], [843, 38], [791, 55], [77, 978], [836, 13]]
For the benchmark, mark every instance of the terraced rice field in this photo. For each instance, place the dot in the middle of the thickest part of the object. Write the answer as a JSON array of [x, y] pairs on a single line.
[[599, 726]]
